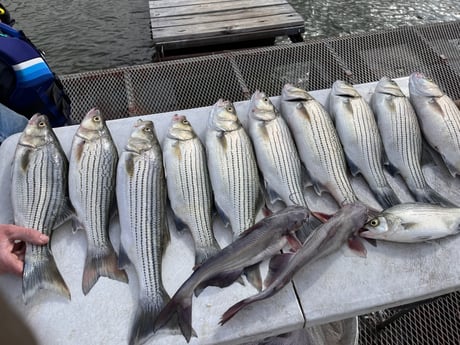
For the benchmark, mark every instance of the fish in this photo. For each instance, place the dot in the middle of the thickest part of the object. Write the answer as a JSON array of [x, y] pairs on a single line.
[[144, 235], [233, 173], [439, 119], [40, 201], [402, 139], [92, 175], [263, 240], [317, 143], [413, 223], [360, 137], [323, 241], [276, 154], [189, 186]]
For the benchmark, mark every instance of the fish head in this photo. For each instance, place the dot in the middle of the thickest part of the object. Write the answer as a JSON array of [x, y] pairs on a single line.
[[422, 86], [38, 132], [180, 128], [93, 125], [142, 137], [388, 86], [344, 89], [223, 117], [261, 107], [294, 94], [381, 227]]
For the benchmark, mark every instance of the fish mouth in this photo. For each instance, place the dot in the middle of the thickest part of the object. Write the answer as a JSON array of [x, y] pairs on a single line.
[[178, 118]]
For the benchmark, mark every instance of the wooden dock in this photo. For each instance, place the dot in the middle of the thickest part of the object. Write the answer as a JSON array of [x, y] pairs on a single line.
[[187, 24]]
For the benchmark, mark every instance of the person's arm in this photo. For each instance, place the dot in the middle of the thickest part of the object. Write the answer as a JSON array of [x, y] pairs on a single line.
[[12, 246]]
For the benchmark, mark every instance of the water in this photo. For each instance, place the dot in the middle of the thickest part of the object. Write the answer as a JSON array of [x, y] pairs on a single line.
[[83, 35]]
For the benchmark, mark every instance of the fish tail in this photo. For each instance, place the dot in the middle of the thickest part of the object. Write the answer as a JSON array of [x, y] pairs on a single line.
[[429, 195], [232, 311], [386, 197], [101, 262], [204, 253], [145, 317], [42, 274]]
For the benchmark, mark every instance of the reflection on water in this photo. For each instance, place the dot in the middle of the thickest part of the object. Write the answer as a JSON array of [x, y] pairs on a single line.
[[83, 35]]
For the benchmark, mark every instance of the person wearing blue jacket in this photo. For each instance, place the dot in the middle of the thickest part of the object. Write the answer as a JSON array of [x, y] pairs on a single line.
[[27, 84]]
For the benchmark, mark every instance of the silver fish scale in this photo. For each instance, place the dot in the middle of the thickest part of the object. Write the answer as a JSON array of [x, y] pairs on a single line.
[[195, 188], [283, 156], [39, 191], [407, 137], [146, 205], [451, 119], [238, 174], [329, 150], [366, 131], [97, 182]]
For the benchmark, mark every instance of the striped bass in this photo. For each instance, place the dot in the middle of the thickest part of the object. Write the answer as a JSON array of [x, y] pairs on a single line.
[[413, 222], [439, 119], [402, 138], [92, 168], [234, 174], [359, 134], [40, 201], [276, 154], [141, 197], [189, 187], [233, 169], [323, 241], [265, 239], [318, 144]]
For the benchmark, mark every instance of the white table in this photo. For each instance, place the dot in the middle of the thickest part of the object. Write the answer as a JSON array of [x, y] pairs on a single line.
[[334, 288]]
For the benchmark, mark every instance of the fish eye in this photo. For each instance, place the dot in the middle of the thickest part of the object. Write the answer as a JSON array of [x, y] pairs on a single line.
[[185, 122], [41, 124], [265, 99], [147, 129], [374, 222], [229, 108], [97, 118]]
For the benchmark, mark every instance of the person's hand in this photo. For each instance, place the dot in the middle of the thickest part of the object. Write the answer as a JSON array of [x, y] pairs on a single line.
[[13, 246]]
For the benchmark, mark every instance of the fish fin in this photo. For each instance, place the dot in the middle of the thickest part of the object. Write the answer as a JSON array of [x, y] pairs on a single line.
[[272, 195], [277, 263], [323, 217], [424, 238], [409, 225], [180, 225], [204, 253], [266, 211], [392, 169], [354, 169], [123, 259], [357, 246], [223, 216], [42, 274], [182, 309], [165, 235], [101, 262], [251, 229], [305, 176], [77, 225], [232, 311], [254, 277], [67, 213], [428, 154], [429, 195], [294, 242], [307, 228], [386, 197], [221, 280], [452, 169], [145, 316], [371, 241]]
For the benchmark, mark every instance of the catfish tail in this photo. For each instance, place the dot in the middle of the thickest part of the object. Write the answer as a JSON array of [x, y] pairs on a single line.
[[232, 311], [42, 273], [180, 308], [101, 262]]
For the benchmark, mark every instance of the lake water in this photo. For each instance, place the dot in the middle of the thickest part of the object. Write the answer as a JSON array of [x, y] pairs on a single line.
[[83, 35]]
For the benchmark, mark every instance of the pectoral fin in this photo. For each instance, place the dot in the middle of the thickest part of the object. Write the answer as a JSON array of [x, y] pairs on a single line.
[[277, 264]]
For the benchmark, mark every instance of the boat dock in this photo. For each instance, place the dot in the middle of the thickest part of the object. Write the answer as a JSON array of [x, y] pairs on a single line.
[[178, 25]]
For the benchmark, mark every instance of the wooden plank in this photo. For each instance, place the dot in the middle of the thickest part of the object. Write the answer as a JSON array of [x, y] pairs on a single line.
[[217, 29], [212, 7], [225, 18], [180, 3]]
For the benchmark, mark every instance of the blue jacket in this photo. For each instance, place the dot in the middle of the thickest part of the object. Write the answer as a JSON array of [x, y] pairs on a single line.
[[27, 84]]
